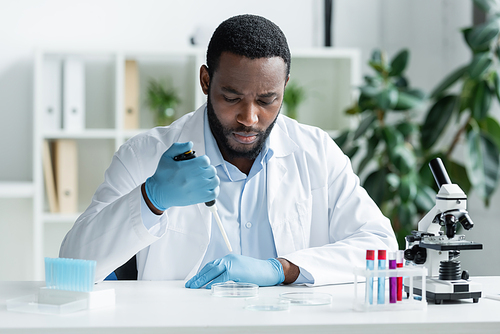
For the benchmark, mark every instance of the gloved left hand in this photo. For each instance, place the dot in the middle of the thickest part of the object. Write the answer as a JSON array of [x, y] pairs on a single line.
[[238, 268]]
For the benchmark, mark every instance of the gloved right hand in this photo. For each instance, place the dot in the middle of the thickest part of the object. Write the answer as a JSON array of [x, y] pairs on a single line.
[[181, 183]]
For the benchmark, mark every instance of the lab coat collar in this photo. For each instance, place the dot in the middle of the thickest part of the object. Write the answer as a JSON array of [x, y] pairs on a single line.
[[193, 131], [280, 141]]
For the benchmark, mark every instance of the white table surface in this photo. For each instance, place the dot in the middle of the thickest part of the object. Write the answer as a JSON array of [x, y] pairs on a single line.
[[168, 307]]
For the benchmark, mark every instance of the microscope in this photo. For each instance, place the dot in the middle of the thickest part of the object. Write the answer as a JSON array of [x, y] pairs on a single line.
[[439, 250]]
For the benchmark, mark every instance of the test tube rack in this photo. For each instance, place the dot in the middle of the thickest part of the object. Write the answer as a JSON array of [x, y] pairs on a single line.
[[410, 303]]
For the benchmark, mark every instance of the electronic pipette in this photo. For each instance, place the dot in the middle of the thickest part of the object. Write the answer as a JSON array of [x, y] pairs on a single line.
[[211, 204]]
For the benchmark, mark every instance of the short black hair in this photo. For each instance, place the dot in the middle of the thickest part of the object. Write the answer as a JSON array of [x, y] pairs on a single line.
[[250, 36]]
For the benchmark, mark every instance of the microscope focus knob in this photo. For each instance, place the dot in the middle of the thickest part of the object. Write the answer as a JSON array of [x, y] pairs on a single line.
[[420, 256], [409, 254], [465, 275], [416, 254]]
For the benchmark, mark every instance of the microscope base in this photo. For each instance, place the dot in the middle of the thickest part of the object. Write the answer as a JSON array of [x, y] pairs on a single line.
[[438, 290]]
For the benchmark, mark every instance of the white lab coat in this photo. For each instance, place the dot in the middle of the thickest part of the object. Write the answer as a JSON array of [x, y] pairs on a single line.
[[321, 219]]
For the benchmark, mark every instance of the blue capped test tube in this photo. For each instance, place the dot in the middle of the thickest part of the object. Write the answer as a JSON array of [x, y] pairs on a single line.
[[382, 255], [370, 259]]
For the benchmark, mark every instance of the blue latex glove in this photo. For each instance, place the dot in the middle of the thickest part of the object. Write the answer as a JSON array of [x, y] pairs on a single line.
[[181, 183], [238, 268]]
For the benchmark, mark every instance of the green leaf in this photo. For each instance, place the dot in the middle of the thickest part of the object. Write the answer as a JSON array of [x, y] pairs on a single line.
[[372, 81], [354, 110], [369, 90], [387, 98], [372, 145], [418, 93], [377, 66], [401, 82], [406, 213], [480, 65], [467, 95], [496, 84], [406, 128], [370, 152], [403, 159], [437, 119], [448, 81], [365, 102], [393, 181], [482, 101], [341, 140], [393, 138], [487, 5], [491, 127], [407, 188], [375, 185], [466, 34], [376, 56], [458, 174], [398, 64], [482, 163], [481, 36], [425, 199], [364, 125], [407, 101], [352, 151]]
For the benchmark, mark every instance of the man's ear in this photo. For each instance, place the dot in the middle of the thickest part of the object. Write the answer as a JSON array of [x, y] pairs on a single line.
[[204, 79], [287, 78]]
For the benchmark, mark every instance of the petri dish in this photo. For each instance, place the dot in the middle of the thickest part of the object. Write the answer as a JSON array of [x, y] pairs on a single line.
[[307, 298], [235, 289], [267, 304]]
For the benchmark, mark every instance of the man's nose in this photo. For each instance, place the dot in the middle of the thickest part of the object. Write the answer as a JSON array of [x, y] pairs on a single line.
[[248, 115]]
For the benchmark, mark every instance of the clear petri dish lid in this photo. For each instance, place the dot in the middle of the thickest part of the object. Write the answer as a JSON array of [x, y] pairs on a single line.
[[267, 304], [307, 298], [235, 289]]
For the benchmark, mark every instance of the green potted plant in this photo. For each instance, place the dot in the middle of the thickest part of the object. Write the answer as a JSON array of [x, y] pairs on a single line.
[[387, 142], [397, 147], [162, 101], [467, 110], [294, 96]]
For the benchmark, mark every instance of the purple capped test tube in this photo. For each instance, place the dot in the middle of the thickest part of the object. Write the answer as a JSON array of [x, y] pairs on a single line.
[[393, 281]]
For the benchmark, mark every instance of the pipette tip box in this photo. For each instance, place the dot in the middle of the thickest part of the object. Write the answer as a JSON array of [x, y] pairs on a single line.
[[69, 288], [54, 301]]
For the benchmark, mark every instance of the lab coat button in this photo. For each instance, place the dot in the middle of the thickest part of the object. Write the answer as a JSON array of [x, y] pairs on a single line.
[[248, 225]]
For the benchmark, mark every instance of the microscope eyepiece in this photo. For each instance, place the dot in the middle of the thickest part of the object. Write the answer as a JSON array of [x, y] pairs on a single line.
[[440, 174]]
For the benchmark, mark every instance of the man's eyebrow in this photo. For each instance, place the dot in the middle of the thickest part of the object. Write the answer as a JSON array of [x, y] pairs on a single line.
[[231, 90], [270, 94], [235, 92]]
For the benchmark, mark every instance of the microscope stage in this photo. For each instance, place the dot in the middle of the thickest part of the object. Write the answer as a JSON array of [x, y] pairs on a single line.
[[439, 245], [439, 290]]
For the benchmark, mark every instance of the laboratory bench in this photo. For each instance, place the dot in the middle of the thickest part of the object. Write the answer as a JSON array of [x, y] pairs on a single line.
[[168, 307]]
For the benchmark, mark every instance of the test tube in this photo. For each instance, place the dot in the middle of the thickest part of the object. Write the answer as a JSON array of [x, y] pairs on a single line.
[[399, 264], [392, 279], [370, 259], [381, 279]]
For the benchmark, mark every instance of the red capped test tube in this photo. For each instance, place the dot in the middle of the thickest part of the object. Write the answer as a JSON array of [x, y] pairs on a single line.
[[399, 264]]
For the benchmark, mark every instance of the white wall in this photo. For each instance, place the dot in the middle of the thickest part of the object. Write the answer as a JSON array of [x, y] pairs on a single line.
[[429, 28], [106, 25]]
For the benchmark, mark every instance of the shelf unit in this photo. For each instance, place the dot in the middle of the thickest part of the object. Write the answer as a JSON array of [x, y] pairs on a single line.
[[330, 76], [16, 189]]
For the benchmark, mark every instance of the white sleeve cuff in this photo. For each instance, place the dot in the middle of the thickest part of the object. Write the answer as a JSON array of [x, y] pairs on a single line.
[[150, 220], [304, 277]]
